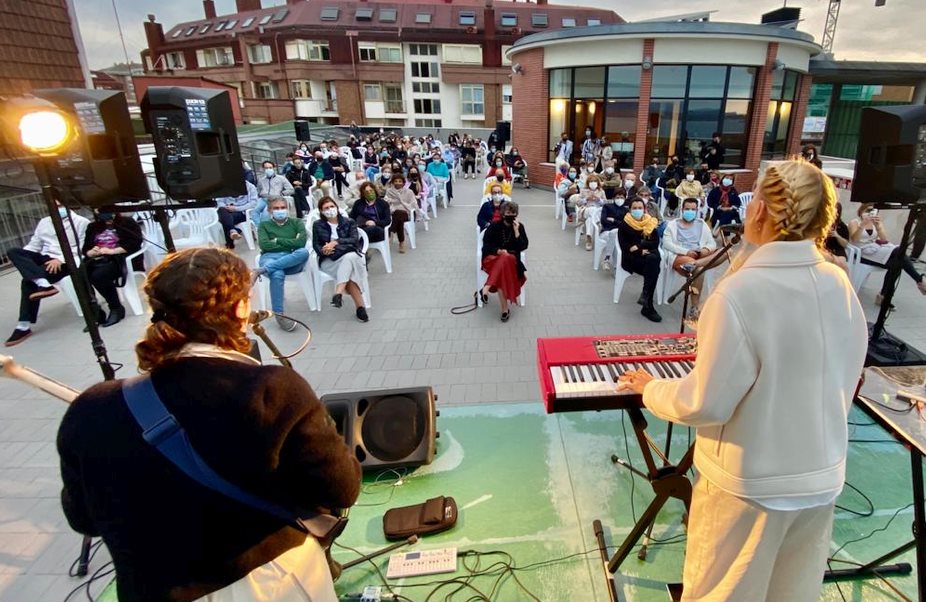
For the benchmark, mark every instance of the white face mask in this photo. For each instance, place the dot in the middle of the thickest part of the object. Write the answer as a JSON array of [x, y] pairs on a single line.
[[330, 212], [609, 170], [619, 201], [628, 183], [496, 197], [592, 185], [690, 177]]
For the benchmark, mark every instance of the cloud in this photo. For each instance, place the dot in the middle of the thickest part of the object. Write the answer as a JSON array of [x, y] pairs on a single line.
[[888, 33]]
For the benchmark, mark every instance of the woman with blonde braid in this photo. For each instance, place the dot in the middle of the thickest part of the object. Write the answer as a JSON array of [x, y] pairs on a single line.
[[259, 427], [781, 344]]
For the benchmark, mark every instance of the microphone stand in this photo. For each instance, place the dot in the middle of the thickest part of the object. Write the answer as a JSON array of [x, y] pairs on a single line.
[[258, 329], [716, 260]]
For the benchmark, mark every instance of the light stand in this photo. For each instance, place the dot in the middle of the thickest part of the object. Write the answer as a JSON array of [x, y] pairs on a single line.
[[883, 348]]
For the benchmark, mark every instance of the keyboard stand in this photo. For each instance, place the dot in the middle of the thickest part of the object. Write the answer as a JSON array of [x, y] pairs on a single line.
[[668, 481]]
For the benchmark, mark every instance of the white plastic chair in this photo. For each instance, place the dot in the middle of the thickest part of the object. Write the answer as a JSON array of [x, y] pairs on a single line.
[[441, 190], [197, 225], [602, 240], [154, 238], [320, 278], [247, 229], [481, 276], [430, 201], [592, 215], [129, 292], [745, 199], [858, 271], [383, 248], [304, 279], [558, 206], [620, 274], [410, 228]]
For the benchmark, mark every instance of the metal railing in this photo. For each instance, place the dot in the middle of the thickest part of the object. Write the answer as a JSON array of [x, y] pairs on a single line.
[[18, 218]]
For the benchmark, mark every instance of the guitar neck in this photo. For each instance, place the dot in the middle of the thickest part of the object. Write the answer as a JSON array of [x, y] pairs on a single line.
[[54, 388]]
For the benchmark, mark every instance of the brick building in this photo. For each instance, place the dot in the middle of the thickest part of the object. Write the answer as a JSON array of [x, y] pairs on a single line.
[[376, 62], [660, 89], [40, 47]]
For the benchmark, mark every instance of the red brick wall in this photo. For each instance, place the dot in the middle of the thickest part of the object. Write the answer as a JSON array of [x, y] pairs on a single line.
[[759, 117], [531, 114], [350, 104], [646, 87], [798, 111]]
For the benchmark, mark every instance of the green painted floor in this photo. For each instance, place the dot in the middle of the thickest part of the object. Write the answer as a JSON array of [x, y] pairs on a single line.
[[529, 485]]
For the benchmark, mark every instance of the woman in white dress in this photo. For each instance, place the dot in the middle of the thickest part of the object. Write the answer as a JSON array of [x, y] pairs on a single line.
[[867, 233]]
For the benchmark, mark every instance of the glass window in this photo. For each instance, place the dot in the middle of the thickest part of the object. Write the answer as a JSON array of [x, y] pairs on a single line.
[[789, 90], [589, 82], [462, 53], [624, 82], [330, 13], [669, 81], [560, 83], [307, 50], [776, 129], [372, 92], [620, 127], [423, 18], [177, 33], [393, 95], [387, 15], [280, 15], [190, 31], [389, 53], [367, 51], [467, 17], [364, 14], [557, 122], [594, 22], [259, 54], [736, 117], [742, 82], [247, 22], [231, 24], [265, 19], [701, 121], [205, 28], [778, 83], [506, 94], [472, 99], [539, 20], [300, 88], [509, 20], [569, 22], [707, 82], [665, 131]]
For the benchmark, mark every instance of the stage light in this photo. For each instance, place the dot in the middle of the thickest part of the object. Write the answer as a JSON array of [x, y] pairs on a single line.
[[45, 132]]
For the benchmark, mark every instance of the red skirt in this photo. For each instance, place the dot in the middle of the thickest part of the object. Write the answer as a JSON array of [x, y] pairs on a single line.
[[503, 275]]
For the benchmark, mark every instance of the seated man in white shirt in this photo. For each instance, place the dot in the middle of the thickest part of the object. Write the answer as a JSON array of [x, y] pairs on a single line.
[[41, 263], [231, 211], [688, 244]]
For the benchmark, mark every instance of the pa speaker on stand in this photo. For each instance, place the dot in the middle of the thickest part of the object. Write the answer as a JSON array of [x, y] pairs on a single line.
[[387, 428]]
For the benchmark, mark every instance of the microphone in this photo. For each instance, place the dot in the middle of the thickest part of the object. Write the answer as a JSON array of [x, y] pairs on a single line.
[[259, 316]]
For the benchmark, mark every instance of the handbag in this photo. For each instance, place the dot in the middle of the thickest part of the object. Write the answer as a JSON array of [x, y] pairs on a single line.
[[433, 516], [161, 430]]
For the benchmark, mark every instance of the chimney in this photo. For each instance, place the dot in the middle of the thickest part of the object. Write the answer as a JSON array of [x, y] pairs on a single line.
[[154, 33], [243, 5], [209, 8]]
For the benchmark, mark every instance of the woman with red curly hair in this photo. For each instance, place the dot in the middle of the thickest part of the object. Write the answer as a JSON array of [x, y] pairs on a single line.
[[260, 427]]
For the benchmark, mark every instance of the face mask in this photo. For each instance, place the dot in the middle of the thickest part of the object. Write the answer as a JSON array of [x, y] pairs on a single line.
[[279, 214], [637, 214], [588, 133], [422, 166], [318, 158], [509, 219], [727, 182], [619, 201], [592, 185], [572, 175], [370, 195], [413, 174], [628, 184], [106, 217], [324, 148], [269, 172], [496, 197], [690, 177], [500, 178], [399, 186], [498, 164], [689, 215], [63, 211], [330, 212]]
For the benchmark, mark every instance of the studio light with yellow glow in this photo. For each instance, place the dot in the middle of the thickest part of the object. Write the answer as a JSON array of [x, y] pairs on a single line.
[[45, 132]]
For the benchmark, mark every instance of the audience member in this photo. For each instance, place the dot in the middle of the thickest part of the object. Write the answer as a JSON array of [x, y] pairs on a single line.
[[232, 211], [468, 156], [809, 152], [652, 173], [724, 203], [41, 263], [499, 179], [568, 189], [270, 185], [837, 239], [337, 243], [611, 180], [302, 181], [689, 187], [491, 209], [591, 196], [688, 244], [502, 245], [323, 173], [713, 153], [517, 166], [563, 149], [867, 232], [282, 241], [440, 171], [371, 213], [630, 185], [612, 214], [640, 253], [402, 204], [109, 239]]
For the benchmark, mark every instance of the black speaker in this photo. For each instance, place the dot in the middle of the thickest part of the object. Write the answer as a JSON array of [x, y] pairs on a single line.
[[890, 165], [302, 130], [102, 164], [196, 142], [388, 428], [503, 129]]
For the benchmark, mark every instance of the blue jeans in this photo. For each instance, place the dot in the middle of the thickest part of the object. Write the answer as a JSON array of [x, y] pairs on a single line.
[[260, 211], [278, 266]]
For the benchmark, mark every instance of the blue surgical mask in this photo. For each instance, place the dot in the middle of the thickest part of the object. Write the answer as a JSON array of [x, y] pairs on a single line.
[[572, 175], [269, 172], [689, 215], [63, 212], [727, 182], [279, 214], [637, 214]]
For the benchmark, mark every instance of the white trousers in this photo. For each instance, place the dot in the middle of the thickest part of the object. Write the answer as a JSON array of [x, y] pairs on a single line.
[[740, 551], [298, 575]]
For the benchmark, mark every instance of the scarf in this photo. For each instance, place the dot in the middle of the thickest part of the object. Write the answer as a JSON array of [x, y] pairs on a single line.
[[645, 225], [725, 195]]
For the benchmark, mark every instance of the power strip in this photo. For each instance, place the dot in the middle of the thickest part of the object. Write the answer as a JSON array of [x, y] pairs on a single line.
[[422, 562]]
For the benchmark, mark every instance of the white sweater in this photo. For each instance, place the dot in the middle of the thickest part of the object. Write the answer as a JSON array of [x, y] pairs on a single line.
[[781, 345]]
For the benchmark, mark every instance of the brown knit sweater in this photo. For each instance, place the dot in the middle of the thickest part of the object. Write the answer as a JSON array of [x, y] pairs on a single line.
[[260, 427]]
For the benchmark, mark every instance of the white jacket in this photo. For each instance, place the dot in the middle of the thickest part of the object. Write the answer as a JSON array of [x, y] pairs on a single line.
[[45, 241], [673, 248], [781, 345]]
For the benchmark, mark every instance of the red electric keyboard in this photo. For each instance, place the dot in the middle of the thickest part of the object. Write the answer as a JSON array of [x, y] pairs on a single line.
[[580, 373]]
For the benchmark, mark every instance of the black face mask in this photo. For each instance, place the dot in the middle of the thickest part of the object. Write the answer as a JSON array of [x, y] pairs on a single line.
[[509, 219], [499, 178]]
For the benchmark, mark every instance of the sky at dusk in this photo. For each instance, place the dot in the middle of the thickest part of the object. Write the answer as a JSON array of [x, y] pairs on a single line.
[[893, 32]]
